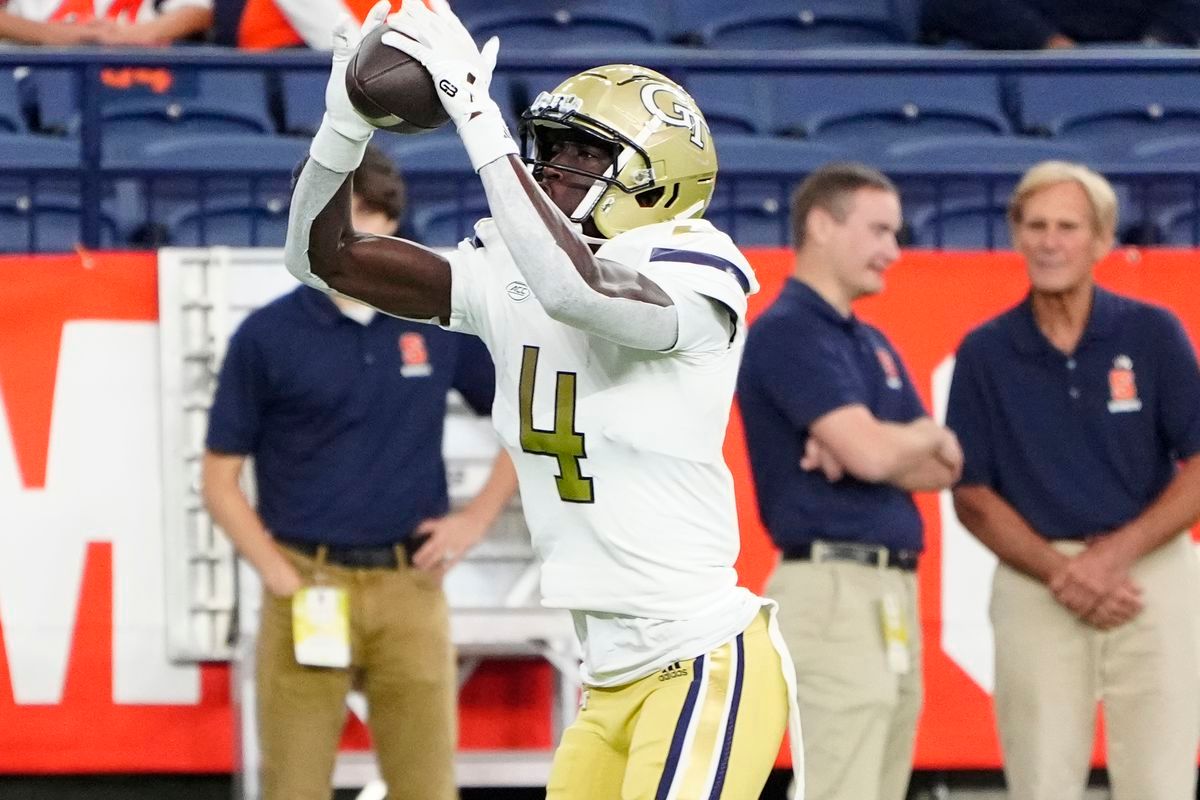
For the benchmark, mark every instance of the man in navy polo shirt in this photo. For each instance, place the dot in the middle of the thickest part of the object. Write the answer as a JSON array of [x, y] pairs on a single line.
[[1073, 409], [838, 439], [342, 410]]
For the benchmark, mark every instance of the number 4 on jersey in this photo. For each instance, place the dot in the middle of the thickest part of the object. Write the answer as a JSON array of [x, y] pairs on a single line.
[[563, 441]]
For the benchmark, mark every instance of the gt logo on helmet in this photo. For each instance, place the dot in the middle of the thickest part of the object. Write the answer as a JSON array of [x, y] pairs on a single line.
[[685, 116]]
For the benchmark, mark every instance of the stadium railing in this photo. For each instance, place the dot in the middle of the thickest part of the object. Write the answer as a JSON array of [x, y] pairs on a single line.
[[129, 148]]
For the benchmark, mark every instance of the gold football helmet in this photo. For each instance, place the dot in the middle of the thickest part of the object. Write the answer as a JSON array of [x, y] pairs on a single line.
[[664, 165]]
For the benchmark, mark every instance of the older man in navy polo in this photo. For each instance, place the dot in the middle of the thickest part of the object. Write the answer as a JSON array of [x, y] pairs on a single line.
[[838, 439], [1074, 410]]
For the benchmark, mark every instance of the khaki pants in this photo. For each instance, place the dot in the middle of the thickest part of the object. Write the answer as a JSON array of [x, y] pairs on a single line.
[[402, 660], [859, 717], [1051, 669]]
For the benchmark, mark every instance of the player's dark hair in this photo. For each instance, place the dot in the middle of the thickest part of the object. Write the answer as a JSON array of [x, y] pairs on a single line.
[[378, 184], [830, 189]]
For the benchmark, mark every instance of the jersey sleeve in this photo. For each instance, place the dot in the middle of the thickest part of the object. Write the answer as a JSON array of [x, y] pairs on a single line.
[[914, 408], [696, 265], [474, 374], [235, 419], [967, 416], [803, 377], [468, 279], [1179, 387]]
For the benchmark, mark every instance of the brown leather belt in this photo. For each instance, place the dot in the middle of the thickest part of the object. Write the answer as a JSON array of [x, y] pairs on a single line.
[[378, 557]]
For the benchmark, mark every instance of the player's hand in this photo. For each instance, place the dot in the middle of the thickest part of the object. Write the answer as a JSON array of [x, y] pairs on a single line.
[[339, 112], [138, 34], [1086, 579], [282, 579], [461, 71], [1118, 607], [950, 453], [69, 34], [817, 457], [449, 539]]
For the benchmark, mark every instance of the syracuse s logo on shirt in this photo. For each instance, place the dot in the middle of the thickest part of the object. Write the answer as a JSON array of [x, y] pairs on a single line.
[[1122, 387]]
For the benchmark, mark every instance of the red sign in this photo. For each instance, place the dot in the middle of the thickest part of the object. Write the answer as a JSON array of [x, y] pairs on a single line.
[[77, 688]]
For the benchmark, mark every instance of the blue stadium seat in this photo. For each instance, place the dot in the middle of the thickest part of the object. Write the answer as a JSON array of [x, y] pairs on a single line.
[[202, 101], [747, 155], [549, 24], [1179, 225], [754, 215], [44, 222], [30, 151], [885, 107], [1112, 111], [303, 100], [960, 225], [732, 102], [435, 170], [1169, 150], [755, 179], [447, 222], [230, 153], [770, 24], [230, 172], [438, 153], [979, 152], [245, 222], [12, 119]]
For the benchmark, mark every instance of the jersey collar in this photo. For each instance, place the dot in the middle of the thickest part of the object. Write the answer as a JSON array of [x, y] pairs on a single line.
[[318, 306], [1102, 323]]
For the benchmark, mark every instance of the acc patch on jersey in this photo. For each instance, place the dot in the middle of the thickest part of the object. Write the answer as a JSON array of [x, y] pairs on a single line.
[[1122, 387], [414, 356]]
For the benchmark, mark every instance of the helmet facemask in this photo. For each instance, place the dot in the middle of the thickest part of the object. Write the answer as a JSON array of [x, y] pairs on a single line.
[[541, 138]]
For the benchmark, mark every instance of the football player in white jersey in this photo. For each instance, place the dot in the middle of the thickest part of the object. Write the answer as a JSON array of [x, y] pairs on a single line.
[[616, 318]]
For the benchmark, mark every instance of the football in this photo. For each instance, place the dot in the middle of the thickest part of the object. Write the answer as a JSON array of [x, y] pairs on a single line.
[[392, 89]]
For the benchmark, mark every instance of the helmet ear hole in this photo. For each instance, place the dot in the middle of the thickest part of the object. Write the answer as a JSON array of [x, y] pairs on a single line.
[[650, 197]]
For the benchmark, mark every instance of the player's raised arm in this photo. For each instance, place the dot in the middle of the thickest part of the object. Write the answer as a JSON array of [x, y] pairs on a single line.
[[323, 249], [606, 298]]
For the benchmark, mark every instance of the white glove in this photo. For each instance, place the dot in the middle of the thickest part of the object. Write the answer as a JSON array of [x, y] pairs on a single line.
[[343, 135], [460, 70]]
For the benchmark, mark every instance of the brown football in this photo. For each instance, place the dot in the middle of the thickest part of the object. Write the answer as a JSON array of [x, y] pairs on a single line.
[[392, 89]]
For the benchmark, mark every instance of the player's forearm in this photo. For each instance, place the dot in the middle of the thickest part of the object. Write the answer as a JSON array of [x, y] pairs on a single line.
[[232, 512], [1173, 511], [320, 193], [323, 250], [930, 474], [562, 272], [887, 452], [999, 527], [496, 492], [27, 31]]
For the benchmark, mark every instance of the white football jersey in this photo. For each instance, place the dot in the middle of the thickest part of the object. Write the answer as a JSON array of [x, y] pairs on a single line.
[[618, 451], [82, 10]]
